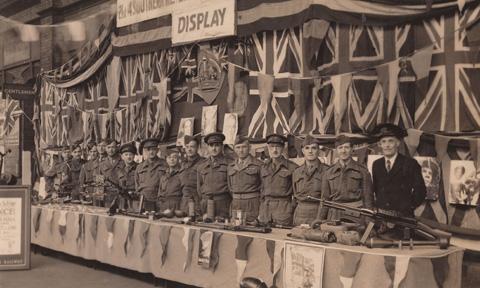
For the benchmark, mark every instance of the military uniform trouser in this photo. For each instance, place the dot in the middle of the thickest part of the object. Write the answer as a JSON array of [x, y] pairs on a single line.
[[305, 213], [276, 210], [249, 206], [172, 203], [221, 203]]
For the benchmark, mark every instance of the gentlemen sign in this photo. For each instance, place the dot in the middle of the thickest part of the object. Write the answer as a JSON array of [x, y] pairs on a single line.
[[207, 20], [134, 11]]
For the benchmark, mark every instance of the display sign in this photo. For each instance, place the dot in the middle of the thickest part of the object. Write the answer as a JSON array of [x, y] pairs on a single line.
[[14, 227], [18, 91], [134, 11], [303, 265], [207, 20]]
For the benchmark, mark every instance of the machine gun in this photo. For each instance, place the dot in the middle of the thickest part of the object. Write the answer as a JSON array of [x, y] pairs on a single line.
[[382, 217]]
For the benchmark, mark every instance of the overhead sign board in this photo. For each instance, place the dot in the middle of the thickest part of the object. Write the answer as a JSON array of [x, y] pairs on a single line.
[[134, 11]]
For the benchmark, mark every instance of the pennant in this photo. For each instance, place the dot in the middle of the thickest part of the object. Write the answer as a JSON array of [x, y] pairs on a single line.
[[413, 140], [389, 262], [112, 80], [49, 220], [314, 32], [144, 230], [401, 268], [93, 226], [62, 224], [421, 62], [300, 89], [461, 4], [270, 245], [101, 125], [208, 249], [163, 115], [278, 261], [121, 125], [340, 85], [37, 212], [241, 254], [259, 119], [187, 240], [81, 226], [75, 131], [110, 225], [441, 145], [87, 126], [351, 261], [129, 237], [441, 269], [388, 79], [164, 236]]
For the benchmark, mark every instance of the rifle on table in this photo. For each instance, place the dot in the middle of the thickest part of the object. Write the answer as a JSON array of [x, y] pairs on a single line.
[[229, 227], [382, 216]]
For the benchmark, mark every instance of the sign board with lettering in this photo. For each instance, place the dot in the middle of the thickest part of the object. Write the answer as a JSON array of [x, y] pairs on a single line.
[[14, 227], [208, 19], [134, 11]]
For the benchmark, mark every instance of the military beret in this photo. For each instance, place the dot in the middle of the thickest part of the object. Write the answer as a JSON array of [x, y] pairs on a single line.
[[110, 141], [171, 150], [276, 138], [342, 139], [389, 130], [188, 139], [148, 143], [240, 140], [128, 147], [215, 137], [309, 140]]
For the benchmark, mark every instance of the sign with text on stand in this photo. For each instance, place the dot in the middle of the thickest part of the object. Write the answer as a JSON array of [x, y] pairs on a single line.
[[207, 19], [14, 227]]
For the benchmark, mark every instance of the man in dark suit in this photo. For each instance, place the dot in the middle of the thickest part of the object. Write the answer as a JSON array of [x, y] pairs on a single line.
[[397, 180]]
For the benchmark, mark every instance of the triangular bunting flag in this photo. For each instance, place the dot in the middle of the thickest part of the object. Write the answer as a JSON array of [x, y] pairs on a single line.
[[62, 224], [110, 225], [388, 79], [49, 220], [389, 262], [340, 84], [270, 246], [349, 268], [81, 226], [441, 146], [421, 62], [258, 124], [129, 237], [187, 240], [241, 254], [413, 140], [93, 226], [36, 214], [164, 236], [143, 231], [401, 268], [112, 80]]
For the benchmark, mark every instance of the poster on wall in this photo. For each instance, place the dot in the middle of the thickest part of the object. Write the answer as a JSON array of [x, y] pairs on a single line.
[[464, 183], [14, 227], [431, 173], [303, 265], [209, 119], [185, 128], [230, 128]]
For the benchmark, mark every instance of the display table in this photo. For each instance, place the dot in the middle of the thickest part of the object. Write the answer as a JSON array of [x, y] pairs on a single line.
[[141, 245]]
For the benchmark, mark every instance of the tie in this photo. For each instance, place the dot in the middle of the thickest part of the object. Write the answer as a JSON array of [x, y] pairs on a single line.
[[389, 165]]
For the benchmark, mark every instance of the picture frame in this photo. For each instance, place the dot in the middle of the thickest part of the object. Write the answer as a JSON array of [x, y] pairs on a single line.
[[304, 265], [15, 225]]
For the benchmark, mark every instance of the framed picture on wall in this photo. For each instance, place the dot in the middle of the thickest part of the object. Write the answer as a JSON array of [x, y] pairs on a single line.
[[431, 173], [464, 183]]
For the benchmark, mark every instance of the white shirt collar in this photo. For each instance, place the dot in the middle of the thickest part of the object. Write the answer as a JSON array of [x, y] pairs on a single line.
[[392, 159]]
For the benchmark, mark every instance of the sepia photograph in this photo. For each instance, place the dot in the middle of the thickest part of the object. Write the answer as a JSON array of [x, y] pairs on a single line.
[[239, 143]]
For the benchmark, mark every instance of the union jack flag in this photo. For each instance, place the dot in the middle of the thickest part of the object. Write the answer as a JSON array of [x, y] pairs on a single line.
[[12, 112], [452, 100]]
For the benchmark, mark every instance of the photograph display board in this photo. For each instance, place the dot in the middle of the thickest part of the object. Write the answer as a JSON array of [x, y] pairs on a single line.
[[14, 227]]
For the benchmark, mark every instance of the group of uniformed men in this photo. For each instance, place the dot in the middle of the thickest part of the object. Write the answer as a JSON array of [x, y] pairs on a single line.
[[272, 191]]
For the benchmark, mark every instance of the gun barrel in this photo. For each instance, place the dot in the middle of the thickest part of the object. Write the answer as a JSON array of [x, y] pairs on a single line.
[[443, 243]]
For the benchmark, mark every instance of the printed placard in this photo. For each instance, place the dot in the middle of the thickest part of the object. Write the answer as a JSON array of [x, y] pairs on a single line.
[[303, 265], [207, 19], [134, 11]]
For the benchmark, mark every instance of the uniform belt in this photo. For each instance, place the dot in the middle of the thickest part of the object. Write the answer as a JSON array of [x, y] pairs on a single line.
[[269, 197], [221, 196], [170, 198], [244, 196]]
